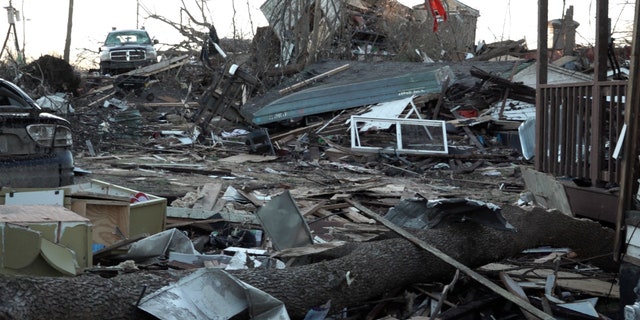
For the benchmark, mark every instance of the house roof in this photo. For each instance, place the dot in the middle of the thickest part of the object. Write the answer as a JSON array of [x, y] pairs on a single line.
[[364, 83], [555, 75]]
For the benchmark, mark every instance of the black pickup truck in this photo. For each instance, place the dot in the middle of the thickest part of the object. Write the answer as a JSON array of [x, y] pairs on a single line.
[[125, 50]]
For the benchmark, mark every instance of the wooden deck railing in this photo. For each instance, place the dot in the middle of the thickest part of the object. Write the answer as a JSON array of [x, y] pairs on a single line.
[[577, 132]]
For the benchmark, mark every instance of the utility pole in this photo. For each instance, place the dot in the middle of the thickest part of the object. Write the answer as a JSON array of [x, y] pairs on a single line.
[[13, 15], [67, 43]]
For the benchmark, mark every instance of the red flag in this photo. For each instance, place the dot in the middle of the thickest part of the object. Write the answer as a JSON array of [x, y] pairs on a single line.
[[438, 12]]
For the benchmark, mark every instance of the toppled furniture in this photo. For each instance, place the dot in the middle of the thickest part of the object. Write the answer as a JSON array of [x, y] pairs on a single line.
[[43, 240], [118, 213]]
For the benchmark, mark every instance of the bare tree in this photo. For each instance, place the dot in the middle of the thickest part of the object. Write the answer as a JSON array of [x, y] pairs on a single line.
[[193, 29]]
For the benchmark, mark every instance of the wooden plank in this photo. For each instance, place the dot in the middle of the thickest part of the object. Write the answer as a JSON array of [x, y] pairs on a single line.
[[243, 157], [507, 124], [504, 103], [220, 204], [329, 216], [99, 196], [446, 258], [314, 208], [110, 219], [103, 98], [508, 90], [445, 86], [255, 201], [547, 191], [629, 174], [352, 214], [211, 192], [160, 66], [564, 279], [339, 205], [542, 68], [30, 213]]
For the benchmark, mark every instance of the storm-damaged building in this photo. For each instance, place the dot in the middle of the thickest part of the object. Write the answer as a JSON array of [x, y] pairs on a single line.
[[301, 32]]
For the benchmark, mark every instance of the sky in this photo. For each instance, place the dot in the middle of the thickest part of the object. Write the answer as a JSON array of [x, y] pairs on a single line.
[[42, 27], [518, 19], [43, 24]]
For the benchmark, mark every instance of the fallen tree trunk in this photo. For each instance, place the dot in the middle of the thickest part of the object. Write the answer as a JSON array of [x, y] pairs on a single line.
[[374, 268]]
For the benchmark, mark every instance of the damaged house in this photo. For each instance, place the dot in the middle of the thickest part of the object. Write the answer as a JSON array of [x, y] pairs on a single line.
[[364, 30]]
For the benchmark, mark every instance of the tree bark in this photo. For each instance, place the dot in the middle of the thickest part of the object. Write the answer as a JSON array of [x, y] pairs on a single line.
[[375, 267]]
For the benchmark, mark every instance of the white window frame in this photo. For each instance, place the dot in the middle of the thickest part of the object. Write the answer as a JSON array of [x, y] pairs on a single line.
[[427, 124]]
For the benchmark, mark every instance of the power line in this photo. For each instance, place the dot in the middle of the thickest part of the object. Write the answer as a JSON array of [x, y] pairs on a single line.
[[507, 16]]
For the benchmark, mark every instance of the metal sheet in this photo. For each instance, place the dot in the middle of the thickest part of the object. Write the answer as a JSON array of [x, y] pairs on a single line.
[[21, 246], [283, 223], [160, 245], [527, 133], [60, 258], [351, 94], [211, 294], [44, 197], [585, 307], [420, 213], [389, 109]]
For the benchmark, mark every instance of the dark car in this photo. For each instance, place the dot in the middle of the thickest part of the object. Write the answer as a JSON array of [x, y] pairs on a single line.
[[125, 50], [35, 146]]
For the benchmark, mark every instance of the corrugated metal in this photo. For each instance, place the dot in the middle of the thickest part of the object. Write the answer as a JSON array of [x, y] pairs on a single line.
[[336, 97]]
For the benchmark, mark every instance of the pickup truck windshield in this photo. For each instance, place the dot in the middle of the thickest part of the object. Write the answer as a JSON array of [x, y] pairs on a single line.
[[121, 38]]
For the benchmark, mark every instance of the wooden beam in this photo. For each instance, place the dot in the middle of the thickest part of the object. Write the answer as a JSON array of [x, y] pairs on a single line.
[[448, 259], [541, 78], [159, 67], [600, 74], [211, 191], [472, 136], [602, 40], [631, 149], [314, 208], [445, 86]]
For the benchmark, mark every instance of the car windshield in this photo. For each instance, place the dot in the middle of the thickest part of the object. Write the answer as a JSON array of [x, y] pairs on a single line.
[[127, 37]]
